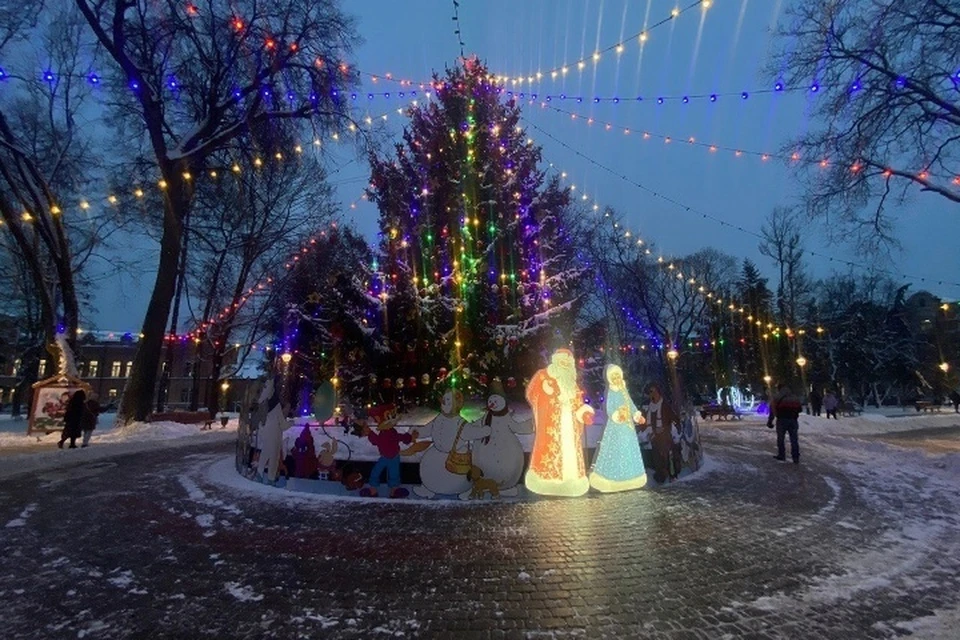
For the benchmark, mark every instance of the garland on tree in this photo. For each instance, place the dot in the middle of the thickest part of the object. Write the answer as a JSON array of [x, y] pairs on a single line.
[[478, 270]]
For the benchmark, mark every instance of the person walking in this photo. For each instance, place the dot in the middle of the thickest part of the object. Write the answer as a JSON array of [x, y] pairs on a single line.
[[816, 402], [785, 409], [72, 419], [955, 400], [830, 404], [89, 420]]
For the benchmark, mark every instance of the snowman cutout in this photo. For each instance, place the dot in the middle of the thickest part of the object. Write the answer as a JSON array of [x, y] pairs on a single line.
[[500, 455], [450, 434]]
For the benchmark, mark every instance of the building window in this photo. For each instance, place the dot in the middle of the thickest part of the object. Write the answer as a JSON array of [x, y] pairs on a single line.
[[115, 369], [93, 368], [42, 371], [16, 367], [112, 394], [129, 369]]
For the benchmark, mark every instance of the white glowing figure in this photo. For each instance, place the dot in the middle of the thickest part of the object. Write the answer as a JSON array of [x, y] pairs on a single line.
[[559, 414], [444, 466], [619, 464]]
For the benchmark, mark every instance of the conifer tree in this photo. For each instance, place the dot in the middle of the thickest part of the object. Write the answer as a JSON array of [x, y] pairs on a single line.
[[478, 265]]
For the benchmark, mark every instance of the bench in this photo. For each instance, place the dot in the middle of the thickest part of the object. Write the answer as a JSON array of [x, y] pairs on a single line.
[[184, 417], [849, 409], [926, 405], [720, 412]]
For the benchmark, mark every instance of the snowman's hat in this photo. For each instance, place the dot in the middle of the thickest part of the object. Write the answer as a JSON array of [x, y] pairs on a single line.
[[496, 388]]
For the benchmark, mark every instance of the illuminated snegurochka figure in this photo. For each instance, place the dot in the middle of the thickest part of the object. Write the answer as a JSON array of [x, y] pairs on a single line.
[[619, 464], [559, 414]]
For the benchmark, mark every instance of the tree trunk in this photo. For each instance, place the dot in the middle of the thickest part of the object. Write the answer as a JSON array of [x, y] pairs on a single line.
[[138, 394], [213, 383]]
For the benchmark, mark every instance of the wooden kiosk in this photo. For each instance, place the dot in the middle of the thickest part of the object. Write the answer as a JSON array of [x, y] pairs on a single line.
[[50, 397]]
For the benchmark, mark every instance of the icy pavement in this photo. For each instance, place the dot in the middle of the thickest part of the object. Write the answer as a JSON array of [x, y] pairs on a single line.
[[860, 540]]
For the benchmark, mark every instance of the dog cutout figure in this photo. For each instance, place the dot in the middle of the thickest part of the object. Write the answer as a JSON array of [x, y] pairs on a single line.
[[481, 485]]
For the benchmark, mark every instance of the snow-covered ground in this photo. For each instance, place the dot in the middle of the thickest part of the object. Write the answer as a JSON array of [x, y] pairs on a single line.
[[20, 452]]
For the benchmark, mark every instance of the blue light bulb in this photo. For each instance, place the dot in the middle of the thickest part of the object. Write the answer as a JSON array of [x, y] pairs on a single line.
[[814, 88], [778, 86], [3, 74], [596, 100], [686, 99], [48, 76], [744, 95], [713, 97], [659, 100]]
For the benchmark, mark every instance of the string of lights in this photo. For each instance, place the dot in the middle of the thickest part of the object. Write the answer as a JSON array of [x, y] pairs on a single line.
[[724, 223], [643, 134], [641, 38], [135, 194]]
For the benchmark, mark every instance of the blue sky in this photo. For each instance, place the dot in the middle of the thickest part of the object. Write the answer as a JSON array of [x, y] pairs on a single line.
[[719, 50]]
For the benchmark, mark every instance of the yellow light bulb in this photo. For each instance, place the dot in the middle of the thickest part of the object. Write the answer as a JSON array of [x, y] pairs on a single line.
[[54, 209], [84, 205], [162, 184], [112, 199], [675, 12], [138, 193], [619, 48], [643, 37]]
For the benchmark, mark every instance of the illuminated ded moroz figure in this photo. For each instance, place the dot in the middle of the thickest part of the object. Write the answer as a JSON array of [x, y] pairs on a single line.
[[619, 464], [559, 414]]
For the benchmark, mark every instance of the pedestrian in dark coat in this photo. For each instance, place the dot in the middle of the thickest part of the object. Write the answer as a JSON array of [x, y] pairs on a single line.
[[785, 409], [73, 419], [955, 400], [89, 420], [664, 425], [816, 402]]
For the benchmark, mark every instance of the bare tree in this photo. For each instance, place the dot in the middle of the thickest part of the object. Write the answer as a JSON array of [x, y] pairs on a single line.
[[783, 243], [46, 163], [245, 227], [886, 77], [190, 79]]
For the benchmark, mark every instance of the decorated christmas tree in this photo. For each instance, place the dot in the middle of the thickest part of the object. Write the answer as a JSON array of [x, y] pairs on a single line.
[[326, 320], [478, 267]]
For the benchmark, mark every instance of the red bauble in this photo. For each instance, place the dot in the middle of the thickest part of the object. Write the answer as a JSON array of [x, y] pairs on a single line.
[[511, 382]]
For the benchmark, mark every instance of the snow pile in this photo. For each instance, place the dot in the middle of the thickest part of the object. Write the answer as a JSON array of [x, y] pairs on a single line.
[[21, 453]]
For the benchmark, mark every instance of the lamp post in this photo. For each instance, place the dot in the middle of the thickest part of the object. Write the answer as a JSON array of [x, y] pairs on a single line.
[[224, 387], [802, 363]]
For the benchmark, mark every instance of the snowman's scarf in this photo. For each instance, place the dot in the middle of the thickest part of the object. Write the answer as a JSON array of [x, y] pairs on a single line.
[[488, 419]]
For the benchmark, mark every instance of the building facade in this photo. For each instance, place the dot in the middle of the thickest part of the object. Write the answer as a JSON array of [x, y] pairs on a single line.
[[105, 360]]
